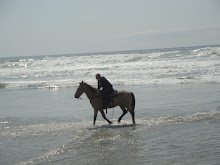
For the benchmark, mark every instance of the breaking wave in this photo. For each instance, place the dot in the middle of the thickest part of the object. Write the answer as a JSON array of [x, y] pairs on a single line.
[[164, 66]]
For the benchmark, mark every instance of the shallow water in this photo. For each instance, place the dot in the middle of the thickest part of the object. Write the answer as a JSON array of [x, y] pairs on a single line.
[[176, 124]]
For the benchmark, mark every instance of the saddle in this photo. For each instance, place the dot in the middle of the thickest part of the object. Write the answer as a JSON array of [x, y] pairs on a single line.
[[106, 105], [114, 93]]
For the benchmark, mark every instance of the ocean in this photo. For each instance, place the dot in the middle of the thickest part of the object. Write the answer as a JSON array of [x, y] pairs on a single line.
[[177, 93]]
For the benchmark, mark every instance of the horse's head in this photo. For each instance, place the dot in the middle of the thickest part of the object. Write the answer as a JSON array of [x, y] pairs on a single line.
[[80, 90]]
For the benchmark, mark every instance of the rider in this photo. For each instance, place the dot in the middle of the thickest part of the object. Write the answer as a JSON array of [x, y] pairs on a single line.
[[107, 88]]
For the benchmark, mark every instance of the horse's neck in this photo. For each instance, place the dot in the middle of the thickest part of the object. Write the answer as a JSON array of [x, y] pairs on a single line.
[[90, 94]]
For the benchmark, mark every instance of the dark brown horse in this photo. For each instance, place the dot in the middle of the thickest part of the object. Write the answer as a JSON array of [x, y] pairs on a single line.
[[124, 99]]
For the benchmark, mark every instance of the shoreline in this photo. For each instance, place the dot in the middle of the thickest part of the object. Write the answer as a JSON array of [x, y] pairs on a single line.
[[57, 87], [151, 100]]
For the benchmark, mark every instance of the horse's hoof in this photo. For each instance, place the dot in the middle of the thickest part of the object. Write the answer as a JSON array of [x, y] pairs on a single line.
[[110, 122]]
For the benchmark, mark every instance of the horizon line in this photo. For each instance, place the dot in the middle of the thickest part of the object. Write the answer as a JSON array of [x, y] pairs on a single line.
[[114, 51]]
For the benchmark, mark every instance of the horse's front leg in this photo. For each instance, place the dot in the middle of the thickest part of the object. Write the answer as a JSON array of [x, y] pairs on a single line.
[[95, 116], [103, 115]]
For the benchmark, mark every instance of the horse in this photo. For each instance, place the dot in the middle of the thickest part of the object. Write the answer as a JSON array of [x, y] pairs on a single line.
[[125, 100]]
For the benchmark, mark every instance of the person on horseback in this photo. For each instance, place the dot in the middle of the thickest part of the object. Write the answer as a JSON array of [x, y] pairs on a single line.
[[107, 89]]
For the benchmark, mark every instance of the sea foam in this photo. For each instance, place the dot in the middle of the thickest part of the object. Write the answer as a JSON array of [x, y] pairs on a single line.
[[164, 66]]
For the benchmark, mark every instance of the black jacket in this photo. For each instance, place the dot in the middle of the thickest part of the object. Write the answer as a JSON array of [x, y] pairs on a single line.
[[104, 83]]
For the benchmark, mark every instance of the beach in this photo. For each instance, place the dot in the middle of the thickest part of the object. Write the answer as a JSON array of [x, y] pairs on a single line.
[[162, 57], [175, 124], [177, 108]]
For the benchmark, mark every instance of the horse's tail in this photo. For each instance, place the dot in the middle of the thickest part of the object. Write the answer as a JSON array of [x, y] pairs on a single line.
[[133, 101]]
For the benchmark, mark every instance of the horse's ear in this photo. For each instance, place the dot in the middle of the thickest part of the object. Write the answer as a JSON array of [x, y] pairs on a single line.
[[82, 82]]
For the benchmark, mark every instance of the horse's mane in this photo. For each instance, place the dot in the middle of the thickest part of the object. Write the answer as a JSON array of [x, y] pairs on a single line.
[[90, 88]]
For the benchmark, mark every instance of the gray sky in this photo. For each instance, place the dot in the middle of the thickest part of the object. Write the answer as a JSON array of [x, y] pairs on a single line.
[[46, 27]]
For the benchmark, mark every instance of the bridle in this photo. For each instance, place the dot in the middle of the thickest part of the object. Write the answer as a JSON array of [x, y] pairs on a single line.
[[90, 99]]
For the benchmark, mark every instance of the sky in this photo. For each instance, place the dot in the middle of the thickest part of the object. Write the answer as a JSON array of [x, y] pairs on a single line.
[[49, 27]]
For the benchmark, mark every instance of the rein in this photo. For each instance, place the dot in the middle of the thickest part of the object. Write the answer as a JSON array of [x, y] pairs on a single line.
[[89, 99], [92, 98]]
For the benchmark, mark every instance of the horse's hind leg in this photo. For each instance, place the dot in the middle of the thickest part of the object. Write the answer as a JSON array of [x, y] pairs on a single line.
[[124, 112], [132, 114]]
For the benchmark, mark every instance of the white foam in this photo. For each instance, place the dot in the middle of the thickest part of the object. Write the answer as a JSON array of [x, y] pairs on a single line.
[[42, 129], [168, 67]]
